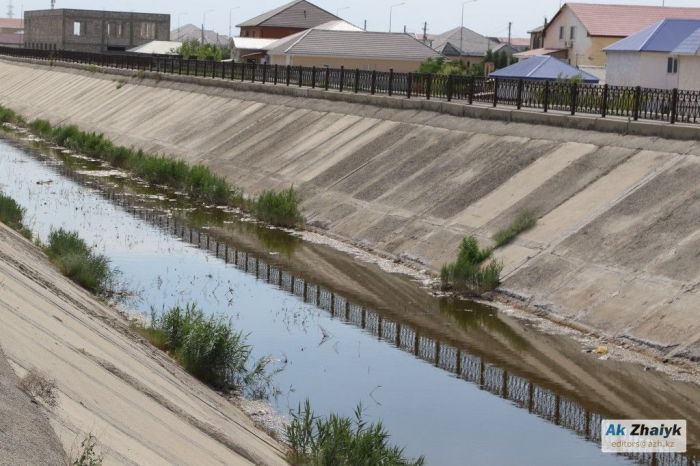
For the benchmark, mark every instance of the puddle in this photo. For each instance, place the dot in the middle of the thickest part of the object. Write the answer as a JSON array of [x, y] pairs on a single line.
[[453, 380]]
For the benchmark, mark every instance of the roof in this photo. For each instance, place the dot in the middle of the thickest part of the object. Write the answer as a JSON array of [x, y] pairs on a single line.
[[536, 52], [623, 20], [252, 43], [471, 43], [158, 47], [516, 41], [11, 23], [663, 36], [689, 46], [192, 32], [354, 44], [543, 68], [537, 29], [297, 14]]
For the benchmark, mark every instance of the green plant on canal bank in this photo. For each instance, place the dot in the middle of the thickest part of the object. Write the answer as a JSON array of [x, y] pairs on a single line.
[[340, 441], [468, 273], [279, 208], [12, 215], [209, 348], [76, 260], [524, 221]]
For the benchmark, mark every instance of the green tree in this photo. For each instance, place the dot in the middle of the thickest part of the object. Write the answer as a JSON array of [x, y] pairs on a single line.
[[194, 49]]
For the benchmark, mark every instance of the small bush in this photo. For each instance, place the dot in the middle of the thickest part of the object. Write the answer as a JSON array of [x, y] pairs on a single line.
[[207, 347], [9, 116], [468, 273], [120, 83], [337, 440], [39, 387], [78, 262], [89, 455], [12, 215], [279, 208], [524, 221]]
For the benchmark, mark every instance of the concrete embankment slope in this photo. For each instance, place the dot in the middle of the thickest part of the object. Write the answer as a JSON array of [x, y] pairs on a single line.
[[616, 246], [140, 405]]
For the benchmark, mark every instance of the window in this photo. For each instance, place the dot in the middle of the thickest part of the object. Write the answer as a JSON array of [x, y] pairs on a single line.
[[77, 28], [561, 32], [115, 30], [672, 67], [572, 34], [148, 31]]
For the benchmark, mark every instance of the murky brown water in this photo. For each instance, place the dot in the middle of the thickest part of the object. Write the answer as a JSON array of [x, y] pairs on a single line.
[[453, 380]]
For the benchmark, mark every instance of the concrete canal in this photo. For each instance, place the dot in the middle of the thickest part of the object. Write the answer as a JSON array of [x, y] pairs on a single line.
[[455, 381]]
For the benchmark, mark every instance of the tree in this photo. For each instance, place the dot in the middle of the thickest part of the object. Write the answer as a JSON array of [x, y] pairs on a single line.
[[193, 49]]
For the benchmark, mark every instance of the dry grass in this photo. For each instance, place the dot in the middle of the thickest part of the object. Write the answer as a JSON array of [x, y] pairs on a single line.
[[40, 388]]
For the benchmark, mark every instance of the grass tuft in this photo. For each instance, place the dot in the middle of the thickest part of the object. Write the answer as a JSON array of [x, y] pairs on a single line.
[[12, 215], [88, 454], [207, 347], [9, 116], [279, 208], [524, 221], [467, 273], [78, 261], [337, 440], [39, 388]]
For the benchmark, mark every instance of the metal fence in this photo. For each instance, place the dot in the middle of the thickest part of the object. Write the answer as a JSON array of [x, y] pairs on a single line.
[[634, 103]]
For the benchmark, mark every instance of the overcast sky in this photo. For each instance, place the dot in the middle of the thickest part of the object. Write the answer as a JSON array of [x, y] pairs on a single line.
[[489, 17]]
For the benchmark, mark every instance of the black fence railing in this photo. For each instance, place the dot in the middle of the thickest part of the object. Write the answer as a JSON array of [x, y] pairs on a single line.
[[634, 103]]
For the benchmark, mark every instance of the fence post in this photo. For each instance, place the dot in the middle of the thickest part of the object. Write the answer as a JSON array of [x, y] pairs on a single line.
[[289, 74], [357, 80], [264, 76], [391, 82], [223, 70], [409, 85], [495, 92], [674, 106], [574, 97], [313, 77], [180, 65], [213, 69], [253, 67], [276, 75], [428, 86], [471, 89], [637, 102], [328, 78], [243, 67], [301, 75], [196, 67], [450, 87], [604, 109], [545, 104], [342, 78], [519, 100], [374, 82]]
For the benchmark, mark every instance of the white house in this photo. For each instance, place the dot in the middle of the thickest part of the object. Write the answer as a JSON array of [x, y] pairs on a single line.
[[663, 56]]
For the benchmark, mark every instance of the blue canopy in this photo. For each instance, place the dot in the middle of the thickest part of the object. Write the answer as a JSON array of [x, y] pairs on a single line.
[[543, 68]]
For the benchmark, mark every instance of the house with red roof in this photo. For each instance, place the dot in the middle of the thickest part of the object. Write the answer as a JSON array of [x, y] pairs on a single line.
[[11, 32], [581, 31]]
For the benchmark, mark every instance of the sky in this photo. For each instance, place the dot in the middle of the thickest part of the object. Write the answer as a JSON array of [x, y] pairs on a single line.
[[488, 17]]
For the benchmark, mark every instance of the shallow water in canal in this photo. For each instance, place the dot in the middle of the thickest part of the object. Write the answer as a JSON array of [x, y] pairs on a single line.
[[453, 381]]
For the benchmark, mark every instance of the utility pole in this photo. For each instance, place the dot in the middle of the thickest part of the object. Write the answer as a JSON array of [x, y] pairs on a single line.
[[10, 10], [425, 32], [53, 4], [510, 50]]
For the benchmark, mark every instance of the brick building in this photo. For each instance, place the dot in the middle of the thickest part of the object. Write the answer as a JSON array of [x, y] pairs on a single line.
[[92, 30], [286, 20]]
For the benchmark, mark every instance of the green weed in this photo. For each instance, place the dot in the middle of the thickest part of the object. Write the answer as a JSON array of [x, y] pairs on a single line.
[[12, 215], [9, 116], [89, 454], [524, 221], [279, 208], [467, 273], [342, 441], [79, 262]]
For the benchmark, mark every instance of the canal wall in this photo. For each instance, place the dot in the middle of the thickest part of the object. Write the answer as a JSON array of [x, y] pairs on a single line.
[[617, 240]]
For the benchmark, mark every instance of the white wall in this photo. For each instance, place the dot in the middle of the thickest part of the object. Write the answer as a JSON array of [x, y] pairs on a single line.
[[579, 54], [640, 69], [689, 73]]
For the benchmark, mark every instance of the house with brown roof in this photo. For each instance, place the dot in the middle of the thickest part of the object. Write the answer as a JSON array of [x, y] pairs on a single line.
[[288, 19], [11, 32], [580, 31]]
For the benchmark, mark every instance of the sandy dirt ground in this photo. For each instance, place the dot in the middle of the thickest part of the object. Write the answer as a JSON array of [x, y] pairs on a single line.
[[142, 408]]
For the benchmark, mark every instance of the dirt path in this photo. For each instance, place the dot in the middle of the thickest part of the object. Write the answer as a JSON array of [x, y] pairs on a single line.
[[141, 406]]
